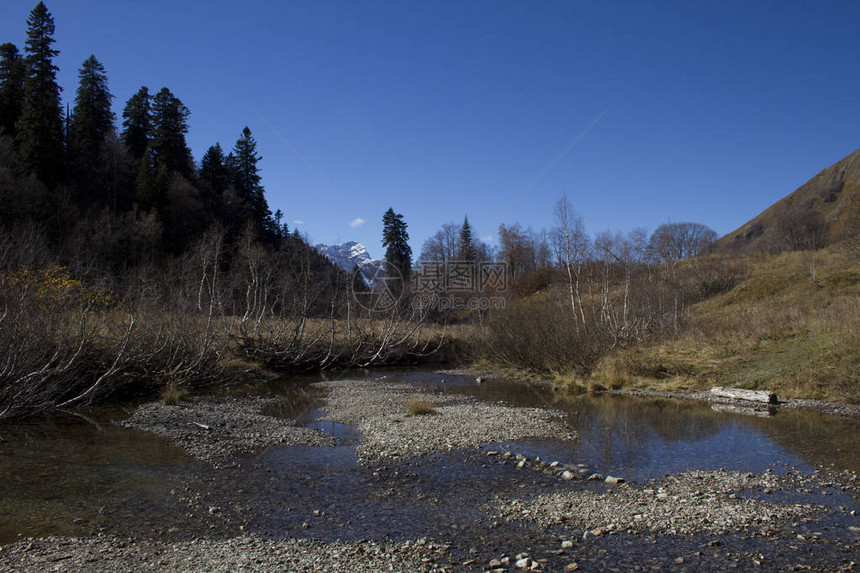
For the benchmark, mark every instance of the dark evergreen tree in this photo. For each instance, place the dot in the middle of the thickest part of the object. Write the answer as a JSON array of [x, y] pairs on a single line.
[[246, 180], [358, 284], [92, 122], [137, 123], [40, 127], [151, 182], [467, 250], [12, 73], [169, 126], [213, 169], [214, 182], [395, 239]]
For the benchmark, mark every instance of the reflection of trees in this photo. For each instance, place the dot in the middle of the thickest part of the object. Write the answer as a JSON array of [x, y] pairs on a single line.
[[622, 429], [816, 438]]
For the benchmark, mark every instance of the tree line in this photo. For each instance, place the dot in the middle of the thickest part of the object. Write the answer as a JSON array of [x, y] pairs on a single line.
[[60, 167], [126, 266]]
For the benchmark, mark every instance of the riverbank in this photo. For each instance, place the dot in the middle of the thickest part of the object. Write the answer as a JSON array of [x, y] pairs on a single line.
[[830, 407], [464, 478]]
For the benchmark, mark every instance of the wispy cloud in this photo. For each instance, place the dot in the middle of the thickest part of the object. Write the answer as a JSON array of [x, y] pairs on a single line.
[[357, 222], [488, 238], [298, 222]]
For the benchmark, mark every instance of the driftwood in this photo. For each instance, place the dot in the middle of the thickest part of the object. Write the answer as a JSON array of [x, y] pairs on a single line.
[[746, 395], [201, 426]]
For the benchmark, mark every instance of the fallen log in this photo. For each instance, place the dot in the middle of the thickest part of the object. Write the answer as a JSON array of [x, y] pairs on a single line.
[[747, 395]]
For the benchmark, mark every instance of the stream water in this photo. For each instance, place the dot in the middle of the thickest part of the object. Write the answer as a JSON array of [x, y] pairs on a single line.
[[75, 474]]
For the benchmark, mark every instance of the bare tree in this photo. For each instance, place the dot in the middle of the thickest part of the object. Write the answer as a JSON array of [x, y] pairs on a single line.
[[571, 245], [801, 228], [672, 242], [443, 246]]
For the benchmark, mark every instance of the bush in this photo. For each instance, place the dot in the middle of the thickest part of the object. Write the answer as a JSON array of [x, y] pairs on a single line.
[[173, 393], [543, 337], [419, 407]]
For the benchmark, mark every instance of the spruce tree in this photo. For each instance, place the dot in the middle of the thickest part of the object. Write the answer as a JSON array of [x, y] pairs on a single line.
[[12, 73], [467, 249], [137, 123], [358, 283], [92, 123], [40, 127], [213, 169], [214, 181], [169, 126], [246, 179], [395, 239]]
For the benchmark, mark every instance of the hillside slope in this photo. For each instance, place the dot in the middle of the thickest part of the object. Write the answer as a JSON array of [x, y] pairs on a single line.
[[821, 212], [791, 326]]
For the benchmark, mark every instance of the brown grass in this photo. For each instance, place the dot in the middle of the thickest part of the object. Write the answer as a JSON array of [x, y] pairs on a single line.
[[791, 327], [415, 406], [173, 393]]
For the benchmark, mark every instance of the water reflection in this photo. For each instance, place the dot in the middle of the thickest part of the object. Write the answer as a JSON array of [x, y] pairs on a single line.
[[643, 438], [62, 474], [67, 474]]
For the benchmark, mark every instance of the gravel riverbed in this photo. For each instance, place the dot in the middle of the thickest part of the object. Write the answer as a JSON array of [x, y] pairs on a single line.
[[378, 410], [112, 554], [527, 514], [215, 429], [690, 503]]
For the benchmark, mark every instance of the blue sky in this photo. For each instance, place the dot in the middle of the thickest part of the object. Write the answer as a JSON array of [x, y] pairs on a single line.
[[705, 112]]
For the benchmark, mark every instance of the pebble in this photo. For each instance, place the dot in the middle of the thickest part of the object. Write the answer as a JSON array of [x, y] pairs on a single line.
[[699, 503], [376, 408], [234, 426]]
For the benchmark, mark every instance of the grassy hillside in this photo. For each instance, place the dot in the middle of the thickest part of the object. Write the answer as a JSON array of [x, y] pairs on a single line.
[[791, 326], [822, 211]]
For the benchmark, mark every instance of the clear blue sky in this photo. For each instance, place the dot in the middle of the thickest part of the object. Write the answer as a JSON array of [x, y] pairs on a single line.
[[708, 112]]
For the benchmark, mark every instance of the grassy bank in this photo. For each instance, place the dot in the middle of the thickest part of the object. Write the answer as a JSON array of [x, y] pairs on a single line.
[[789, 323], [792, 327]]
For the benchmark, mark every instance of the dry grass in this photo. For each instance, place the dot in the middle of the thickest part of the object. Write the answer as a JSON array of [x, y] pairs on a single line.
[[416, 406], [173, 393], [791, 327]]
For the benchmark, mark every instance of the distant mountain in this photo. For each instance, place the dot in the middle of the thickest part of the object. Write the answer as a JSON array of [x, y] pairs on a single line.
[[351, 254], [822, 211]]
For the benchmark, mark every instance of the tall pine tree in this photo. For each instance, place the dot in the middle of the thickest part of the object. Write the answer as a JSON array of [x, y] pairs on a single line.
[[213, 172], [214, 181], [246, 179], [137, 123], [468, 252], [395, 239], [91, 124], [40, 128], [169, 126], [12, 73]]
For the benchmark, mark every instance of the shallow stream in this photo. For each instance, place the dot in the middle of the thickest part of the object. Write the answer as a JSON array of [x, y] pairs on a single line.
[[74, 474]]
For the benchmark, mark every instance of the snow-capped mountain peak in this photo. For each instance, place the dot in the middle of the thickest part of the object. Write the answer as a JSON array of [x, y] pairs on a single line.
[[352, 254]]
